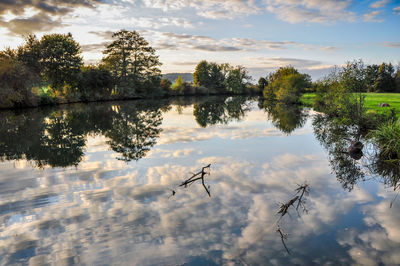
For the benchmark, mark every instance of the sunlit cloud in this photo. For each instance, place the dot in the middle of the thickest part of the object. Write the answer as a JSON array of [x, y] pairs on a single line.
[[213, 9], [371, 17], [380, 3], [316, 11], [397, 10]]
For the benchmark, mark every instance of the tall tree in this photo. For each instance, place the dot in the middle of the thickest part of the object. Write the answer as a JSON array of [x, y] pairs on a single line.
[[371, 74], [385, 80], [60, 60], [130, 58]]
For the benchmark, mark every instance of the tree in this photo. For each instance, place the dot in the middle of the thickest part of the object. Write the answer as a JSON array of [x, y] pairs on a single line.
[[209, 75], [60, 59], [132, 60], [201, 75], [262, 82], [397, 80], [237, 80], [371, 74], [286, 85], [352, 76], [165, 84], [16, 80], [385, 80], [95, 81], [30, 54]]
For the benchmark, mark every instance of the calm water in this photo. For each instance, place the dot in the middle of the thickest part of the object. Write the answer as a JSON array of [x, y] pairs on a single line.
[[93, 184]]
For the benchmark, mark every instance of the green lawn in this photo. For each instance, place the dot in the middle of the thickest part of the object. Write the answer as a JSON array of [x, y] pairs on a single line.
[[372, 101]]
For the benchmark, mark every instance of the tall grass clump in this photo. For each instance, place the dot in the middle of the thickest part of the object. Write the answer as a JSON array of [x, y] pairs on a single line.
[[387, 138]]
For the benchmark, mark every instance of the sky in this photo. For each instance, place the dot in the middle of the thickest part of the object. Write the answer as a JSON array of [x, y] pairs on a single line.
[[261, 35]]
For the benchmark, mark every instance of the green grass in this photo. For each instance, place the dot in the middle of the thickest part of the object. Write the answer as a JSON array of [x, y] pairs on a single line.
[[372, 101], [307, 99]]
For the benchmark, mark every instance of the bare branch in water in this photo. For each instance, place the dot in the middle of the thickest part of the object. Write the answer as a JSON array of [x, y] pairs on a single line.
[[305, 190], [301, 192], [283, 210], [196, 176]]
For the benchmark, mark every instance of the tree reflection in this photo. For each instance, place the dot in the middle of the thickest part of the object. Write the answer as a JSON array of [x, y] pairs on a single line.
[[336, 138], [220, 110], [134, 131], [285, 117], [61, 142], [57, 137]]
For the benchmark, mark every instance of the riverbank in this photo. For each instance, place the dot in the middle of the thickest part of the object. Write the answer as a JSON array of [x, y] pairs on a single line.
[[63, 100], [372, 101]]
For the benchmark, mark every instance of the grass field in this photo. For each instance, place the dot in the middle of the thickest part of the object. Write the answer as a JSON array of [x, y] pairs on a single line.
[[372, 101]]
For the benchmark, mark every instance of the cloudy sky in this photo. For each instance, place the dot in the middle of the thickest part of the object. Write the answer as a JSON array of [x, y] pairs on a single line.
[[312, 35]]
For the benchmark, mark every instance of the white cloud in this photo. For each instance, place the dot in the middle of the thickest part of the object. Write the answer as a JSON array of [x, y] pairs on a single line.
[[380, 3], [316, 11], [371, 17], [397, 10], [213, 9]]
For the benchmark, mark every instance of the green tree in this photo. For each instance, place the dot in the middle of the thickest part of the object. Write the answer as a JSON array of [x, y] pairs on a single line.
[[95, 82], [237, 80], [16, 81], [385, 81], [132, 60], [210, 75], [352, 76], [371, 74], [397, 80], [201, 76], [286, 85], [262, 82], [30, 54], [60, 59]]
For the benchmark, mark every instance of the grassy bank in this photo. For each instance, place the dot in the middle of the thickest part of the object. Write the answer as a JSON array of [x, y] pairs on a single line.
[[372, 101]]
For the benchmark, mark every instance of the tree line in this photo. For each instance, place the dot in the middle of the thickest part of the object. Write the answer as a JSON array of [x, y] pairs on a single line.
[[50, 70]]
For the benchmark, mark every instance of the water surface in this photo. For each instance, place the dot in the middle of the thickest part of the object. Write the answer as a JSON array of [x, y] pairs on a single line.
[[93, 184]]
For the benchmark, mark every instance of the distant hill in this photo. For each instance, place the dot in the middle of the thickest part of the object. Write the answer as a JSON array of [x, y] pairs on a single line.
[[188, 77]]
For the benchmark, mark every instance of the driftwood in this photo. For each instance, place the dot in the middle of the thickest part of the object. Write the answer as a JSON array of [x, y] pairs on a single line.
[[197, 176]]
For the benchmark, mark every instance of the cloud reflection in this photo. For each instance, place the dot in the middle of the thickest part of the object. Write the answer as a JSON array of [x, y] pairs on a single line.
[[106, 211]]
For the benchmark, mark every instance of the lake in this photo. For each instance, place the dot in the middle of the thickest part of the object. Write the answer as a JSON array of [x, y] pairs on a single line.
[[99, 184]]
